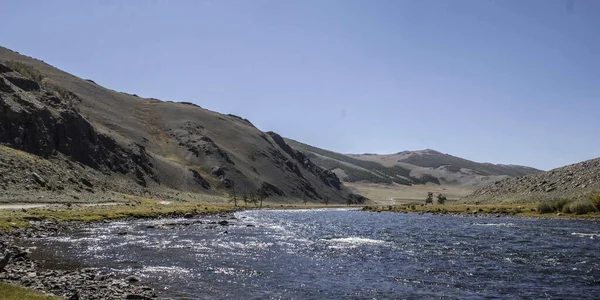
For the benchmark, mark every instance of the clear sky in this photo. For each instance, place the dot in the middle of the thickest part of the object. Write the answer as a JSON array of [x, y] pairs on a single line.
[[506, 81]]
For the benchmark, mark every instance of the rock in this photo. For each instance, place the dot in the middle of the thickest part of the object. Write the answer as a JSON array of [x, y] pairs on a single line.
[[250, 225], [86, 182], [559, 214], [137, 297], [38, 179], [223, 223], [74, 296], [100, 277], [122, 233], [550, 189], [4, 261], [188, 215], [132, 279]]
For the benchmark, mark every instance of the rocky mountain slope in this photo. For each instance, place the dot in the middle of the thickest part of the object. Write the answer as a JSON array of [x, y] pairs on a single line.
[[576, 181], [411, 167], [86, 137]]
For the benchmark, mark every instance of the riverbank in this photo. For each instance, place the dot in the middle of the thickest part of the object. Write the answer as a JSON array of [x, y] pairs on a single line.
[[40, 222], [481, 210], [24, 275]]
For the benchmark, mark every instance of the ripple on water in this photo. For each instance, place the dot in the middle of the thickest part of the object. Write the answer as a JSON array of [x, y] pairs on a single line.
[[586, 235], [340, 254]]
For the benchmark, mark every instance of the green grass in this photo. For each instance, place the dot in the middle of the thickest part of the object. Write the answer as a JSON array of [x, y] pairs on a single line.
[[595, 200], [14, 292], [26, 70]]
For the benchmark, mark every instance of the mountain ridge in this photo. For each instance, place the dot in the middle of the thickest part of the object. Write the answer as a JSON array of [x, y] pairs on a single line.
[[405, 162]]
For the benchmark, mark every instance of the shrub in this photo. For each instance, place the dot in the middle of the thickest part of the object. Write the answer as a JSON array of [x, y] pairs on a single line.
[[556, 206], [595, 200], [26, 70], [545, 208], [581, 207]]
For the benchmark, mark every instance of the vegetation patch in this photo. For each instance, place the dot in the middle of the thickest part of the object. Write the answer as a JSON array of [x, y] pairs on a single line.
[[552, 207], [133, 207], [14, 292]]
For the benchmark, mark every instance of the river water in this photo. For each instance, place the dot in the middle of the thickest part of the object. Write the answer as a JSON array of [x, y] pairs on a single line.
[[343, 254]]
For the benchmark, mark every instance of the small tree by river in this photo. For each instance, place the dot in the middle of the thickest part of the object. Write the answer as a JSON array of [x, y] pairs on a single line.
[[441, 199], [233, 194], [429, 198]]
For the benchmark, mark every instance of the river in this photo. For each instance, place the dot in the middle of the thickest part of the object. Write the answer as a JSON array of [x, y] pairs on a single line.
[[342, 254]]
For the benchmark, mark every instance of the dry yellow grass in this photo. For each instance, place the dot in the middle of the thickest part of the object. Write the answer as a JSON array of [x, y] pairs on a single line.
[[14, 292], [400, 194], [132, 207]]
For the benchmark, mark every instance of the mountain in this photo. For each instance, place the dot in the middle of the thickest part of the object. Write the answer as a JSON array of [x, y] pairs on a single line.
[[433, 159], [408, 167], [70, 136], [388, 177], [576, 181]]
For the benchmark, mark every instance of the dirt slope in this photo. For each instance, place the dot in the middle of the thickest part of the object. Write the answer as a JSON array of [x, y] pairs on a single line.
[[147, 144], [576, 181]]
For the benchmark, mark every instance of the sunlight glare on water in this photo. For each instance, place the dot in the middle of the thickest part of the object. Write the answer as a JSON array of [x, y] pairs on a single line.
[[341, 254]]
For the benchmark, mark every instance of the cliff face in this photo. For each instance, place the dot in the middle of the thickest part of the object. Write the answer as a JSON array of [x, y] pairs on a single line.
[[44, 122], [150, 144]]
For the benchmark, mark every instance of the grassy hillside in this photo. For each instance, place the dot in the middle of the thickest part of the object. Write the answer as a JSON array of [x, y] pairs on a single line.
[[141, 145], [360, 170]]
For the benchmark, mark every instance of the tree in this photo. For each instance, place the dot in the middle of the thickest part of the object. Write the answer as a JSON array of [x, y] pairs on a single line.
[[245, 199], [441, 199], [326, 200], [233, 194], [349, 201], [304, 199], [262, 195], [429, 198]]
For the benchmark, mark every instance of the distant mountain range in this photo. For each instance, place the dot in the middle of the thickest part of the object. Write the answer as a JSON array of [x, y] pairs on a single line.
[[411, 167]]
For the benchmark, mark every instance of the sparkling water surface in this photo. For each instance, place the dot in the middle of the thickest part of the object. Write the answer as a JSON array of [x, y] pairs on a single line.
[[343, 254]]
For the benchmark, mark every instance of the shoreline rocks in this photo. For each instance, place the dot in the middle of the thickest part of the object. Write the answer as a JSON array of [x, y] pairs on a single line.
[[84, 283]]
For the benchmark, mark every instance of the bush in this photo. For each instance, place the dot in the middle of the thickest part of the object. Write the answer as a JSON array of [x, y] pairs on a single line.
[[595, 201], [26, 70], [580, 207], [556, 206]]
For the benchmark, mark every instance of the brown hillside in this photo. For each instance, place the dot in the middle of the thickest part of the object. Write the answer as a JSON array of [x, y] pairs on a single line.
[[575, 181], [150, 144]]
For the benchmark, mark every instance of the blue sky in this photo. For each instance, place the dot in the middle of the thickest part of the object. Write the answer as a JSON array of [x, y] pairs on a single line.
[[507, 81]]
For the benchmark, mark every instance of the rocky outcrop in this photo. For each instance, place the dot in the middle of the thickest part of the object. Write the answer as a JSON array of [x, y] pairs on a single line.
[[269, 190], [575, 181], [199, 180], [326, 176], [357, 199], [38, 121], [190, 136], [89, 283]]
